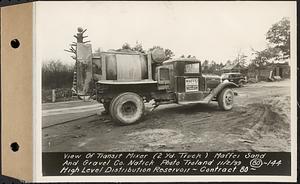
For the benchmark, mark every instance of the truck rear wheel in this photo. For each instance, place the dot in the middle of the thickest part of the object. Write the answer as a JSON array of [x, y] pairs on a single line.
[[127, 108], [225, 99]]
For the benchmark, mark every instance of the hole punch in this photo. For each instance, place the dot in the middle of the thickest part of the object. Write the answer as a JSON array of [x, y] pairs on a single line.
[[15, 43], [14, 147]]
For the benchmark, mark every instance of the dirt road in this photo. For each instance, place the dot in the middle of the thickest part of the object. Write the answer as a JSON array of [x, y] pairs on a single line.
[[259, 121]]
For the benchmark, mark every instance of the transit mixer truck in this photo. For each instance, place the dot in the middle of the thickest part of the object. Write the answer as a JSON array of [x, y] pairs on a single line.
[[123, 81]]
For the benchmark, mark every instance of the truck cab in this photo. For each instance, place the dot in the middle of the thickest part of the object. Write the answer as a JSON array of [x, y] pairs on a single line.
[[184, 79]]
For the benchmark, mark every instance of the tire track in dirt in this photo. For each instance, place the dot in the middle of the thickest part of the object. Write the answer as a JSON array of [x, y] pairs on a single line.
[[271, 126]]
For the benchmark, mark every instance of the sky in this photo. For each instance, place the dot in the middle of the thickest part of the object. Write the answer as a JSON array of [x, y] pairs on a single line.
[[208, 30]]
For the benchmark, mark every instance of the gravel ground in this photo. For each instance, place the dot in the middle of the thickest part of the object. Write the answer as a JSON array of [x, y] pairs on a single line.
[[259, 121]]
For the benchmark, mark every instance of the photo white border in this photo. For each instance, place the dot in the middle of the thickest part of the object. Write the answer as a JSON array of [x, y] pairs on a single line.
[[37, 138]]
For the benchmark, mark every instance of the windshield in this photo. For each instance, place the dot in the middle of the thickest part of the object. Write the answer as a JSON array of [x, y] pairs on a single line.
[[192, 68]]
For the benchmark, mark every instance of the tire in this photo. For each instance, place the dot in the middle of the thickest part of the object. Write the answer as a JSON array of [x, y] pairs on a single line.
[[225, 99], [127, 108]]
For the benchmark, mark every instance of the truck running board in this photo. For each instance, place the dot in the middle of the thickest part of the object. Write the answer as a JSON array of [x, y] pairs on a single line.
[[206, 100], [165, 102], [156, 104]]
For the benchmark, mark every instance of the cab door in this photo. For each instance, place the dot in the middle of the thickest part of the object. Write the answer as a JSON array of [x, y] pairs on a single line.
[[189, 81]]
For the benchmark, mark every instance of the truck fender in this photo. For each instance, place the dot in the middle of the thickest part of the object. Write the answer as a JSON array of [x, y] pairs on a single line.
[[215, 92], [222, 86]]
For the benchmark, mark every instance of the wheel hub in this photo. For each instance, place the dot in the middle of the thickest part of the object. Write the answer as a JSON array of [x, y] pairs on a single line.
[[228, 99], [129, 108]]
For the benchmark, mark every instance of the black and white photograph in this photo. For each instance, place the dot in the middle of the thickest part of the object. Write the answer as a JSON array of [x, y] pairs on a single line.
[[137, 79]]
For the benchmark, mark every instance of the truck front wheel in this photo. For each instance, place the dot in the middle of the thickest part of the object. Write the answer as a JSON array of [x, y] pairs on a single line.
[[127, 108], [225, 99]]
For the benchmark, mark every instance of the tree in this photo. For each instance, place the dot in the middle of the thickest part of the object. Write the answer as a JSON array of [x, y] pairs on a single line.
[[262, 57], [278, 37], [138, 47], [205, 65], [241, 59], [56, 74], [168, 52], [213, 67], [126, 46], [228, 62], [221, 65]]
